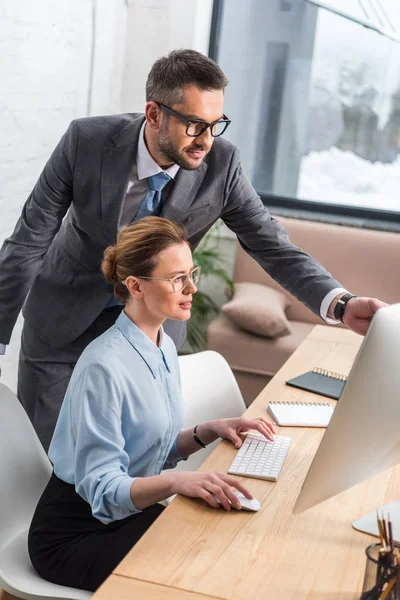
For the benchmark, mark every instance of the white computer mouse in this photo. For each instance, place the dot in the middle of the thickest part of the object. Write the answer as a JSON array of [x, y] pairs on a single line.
[[246, 504]]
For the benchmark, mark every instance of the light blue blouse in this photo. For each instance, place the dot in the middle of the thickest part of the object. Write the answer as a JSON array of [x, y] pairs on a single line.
[[120, 418]]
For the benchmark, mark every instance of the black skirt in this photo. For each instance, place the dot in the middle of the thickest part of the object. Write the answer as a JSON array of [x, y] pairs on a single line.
[[68, 546]]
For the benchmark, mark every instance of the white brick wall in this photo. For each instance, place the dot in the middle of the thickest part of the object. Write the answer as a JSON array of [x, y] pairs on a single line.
[[45, 50], [45, 68], [44, 72]]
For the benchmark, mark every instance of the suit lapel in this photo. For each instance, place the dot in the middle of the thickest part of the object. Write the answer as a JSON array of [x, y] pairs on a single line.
[[118, 160], [183, 193]]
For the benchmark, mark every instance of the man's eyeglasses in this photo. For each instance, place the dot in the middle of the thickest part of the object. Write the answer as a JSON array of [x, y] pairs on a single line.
[[179, 282], [195, 127]]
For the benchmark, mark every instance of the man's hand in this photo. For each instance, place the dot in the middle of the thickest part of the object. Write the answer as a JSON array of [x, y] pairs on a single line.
[[359, 311]]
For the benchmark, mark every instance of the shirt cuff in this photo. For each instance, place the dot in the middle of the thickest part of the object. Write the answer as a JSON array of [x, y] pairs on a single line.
[[123, 495], [326, 302], [3, 348]]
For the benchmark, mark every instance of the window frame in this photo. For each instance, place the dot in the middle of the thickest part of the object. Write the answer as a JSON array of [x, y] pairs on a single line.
[[352, 216]]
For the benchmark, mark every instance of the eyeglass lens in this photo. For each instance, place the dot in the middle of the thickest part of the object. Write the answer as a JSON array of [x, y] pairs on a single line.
[[181, 281], [195, 129]]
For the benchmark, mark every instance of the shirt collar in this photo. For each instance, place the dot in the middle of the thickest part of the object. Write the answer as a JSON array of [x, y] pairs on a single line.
[[146, 165], [150, 353]]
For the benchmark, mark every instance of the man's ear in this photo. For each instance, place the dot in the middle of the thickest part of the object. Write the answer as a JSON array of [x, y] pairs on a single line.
[[134, 286], [153, 115]]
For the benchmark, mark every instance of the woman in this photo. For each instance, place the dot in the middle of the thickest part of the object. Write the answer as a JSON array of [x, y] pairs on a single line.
[[121, 420]]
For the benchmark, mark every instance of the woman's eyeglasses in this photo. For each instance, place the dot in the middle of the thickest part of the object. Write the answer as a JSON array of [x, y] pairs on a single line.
[[179, 282]]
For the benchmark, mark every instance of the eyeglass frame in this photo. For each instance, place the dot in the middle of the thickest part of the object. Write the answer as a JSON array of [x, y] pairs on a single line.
[[172, 279], [189, 122]]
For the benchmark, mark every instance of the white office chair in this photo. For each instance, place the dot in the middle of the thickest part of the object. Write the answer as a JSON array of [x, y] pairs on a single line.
[[210, 392], [24, 473]]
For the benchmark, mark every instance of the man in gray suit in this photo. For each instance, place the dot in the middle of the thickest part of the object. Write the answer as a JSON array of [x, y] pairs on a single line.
[[106, 172]]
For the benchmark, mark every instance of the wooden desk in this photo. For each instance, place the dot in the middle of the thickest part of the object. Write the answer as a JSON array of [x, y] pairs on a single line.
[[271, 554], [127, 588]]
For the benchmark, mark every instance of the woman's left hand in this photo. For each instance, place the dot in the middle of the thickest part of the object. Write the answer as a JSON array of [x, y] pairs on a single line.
[[230, 429]]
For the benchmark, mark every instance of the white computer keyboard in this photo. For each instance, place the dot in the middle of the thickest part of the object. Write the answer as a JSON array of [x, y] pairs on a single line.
[[260, 458]]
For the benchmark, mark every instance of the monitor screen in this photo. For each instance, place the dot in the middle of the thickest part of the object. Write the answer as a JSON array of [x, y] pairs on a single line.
[[363, 436]]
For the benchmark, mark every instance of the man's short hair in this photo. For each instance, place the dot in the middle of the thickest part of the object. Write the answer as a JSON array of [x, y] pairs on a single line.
[[179, 68]]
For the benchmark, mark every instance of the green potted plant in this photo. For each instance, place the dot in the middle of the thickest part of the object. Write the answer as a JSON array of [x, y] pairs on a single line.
[[208, 256]]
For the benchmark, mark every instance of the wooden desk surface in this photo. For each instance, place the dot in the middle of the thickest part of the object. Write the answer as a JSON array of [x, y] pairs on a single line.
[[127, 588], [271, 554]]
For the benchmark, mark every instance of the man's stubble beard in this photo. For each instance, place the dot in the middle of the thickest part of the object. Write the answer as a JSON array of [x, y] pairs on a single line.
[[170, 154]]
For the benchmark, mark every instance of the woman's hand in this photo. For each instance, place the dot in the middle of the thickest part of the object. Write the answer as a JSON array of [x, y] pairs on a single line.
[[211, 487], [230, 429]]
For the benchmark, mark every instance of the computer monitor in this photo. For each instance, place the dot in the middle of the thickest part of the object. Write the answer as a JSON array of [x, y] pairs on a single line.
[[363, 436]]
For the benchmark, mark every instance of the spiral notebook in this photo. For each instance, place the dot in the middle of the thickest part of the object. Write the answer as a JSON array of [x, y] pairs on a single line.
[[301, 414], [320, 381]]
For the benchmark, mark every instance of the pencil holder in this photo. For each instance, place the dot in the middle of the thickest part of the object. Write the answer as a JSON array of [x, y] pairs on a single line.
[[381, 579]]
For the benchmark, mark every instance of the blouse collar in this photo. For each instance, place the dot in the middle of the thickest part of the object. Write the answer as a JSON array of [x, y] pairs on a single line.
[[150, 353]]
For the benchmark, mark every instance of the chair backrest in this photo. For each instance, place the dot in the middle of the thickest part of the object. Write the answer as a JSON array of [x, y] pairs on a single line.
[[24, 467], [210, 392]]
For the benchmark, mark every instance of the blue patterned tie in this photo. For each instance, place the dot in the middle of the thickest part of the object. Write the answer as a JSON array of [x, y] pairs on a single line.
[[152, 202]]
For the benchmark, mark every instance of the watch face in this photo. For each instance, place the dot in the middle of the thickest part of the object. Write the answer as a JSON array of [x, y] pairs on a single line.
[[339, 310]]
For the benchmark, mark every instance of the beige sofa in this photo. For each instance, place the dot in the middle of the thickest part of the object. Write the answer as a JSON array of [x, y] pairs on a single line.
[[366, 262]]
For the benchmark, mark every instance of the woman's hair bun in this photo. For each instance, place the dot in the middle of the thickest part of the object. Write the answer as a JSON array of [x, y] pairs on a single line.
[[109, 265]]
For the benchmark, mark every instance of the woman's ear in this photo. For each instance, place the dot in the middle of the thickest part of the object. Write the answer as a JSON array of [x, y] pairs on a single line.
[[134, 287]]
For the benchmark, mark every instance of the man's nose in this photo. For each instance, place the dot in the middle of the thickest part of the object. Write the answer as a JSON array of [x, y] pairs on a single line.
[[206, 138]]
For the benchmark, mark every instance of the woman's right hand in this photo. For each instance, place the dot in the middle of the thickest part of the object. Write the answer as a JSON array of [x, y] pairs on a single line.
[[211, 487]]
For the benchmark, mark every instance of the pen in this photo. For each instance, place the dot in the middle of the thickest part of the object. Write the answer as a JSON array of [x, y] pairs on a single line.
[[390, 536], [380, 530]]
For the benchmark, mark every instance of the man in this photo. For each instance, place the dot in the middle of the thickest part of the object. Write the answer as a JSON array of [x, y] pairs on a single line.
[[100, 178]]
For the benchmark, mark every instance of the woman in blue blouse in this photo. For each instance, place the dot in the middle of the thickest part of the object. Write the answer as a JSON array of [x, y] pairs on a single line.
[[121, 420]]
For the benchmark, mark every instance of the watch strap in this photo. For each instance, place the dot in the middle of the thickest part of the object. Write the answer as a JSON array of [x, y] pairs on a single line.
[[341, 305], [196, 439]]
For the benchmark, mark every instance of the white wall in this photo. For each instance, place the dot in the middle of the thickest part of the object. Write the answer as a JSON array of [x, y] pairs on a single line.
[[64, 60], [45, 75], [154, 28]]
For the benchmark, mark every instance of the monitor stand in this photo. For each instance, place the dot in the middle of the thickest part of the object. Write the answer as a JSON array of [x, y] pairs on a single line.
[[368, 524]]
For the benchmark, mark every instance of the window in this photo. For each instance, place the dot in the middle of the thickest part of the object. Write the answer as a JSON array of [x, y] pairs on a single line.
[[314, 98]]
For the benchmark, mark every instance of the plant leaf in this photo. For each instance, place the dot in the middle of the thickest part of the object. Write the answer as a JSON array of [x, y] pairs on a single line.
[[208, 256]]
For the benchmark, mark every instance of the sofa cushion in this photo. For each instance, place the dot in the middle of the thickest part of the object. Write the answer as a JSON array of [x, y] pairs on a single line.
[[259, 309], [253, 353]]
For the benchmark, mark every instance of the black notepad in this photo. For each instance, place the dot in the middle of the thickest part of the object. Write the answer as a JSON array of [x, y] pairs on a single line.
[[320, 381]]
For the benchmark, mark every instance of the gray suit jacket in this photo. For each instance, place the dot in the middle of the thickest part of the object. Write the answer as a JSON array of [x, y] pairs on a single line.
[[51, 262]]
